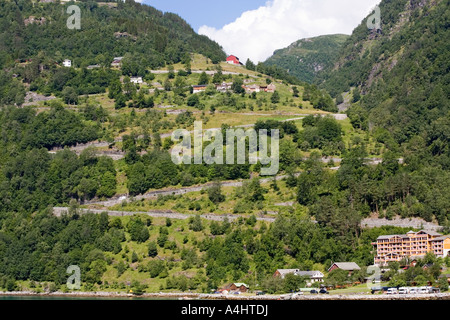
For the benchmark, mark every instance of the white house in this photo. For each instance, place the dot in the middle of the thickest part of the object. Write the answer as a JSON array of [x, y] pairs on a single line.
[[314, 276], [136, 80], [252, 88], [199, 88], [117, 61], [271, 88], [67, 63], [224, 86]]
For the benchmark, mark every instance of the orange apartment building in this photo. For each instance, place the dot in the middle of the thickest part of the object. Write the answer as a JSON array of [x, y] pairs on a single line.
[[413, 244]]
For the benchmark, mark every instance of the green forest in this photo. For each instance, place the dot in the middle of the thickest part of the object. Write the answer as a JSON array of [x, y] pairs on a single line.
[[100, 137], [305, 58], [401, 74]]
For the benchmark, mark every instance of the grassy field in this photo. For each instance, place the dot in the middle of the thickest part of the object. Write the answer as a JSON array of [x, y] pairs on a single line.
[[358, 289]]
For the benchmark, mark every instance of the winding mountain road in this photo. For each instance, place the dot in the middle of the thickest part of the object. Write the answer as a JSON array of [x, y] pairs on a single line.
[[117, 154], [58, 211]]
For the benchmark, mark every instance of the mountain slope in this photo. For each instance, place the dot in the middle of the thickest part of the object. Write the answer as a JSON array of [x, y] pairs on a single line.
[[401, 71], [154, 37], [305, 58]]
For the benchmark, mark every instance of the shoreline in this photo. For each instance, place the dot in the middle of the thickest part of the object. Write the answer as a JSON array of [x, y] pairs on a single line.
[[202, 296]]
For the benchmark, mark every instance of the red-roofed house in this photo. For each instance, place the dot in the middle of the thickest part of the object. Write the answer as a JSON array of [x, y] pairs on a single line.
[[233, 60]]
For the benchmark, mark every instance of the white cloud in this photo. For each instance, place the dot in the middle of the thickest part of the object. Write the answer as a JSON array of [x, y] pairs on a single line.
[[256, 34]]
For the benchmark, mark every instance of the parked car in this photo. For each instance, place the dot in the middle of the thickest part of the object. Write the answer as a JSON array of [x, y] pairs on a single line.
[[423, 290], [403, 291], [392, 291], [314, 292], [435, 290], [323, 291], [413, 290]]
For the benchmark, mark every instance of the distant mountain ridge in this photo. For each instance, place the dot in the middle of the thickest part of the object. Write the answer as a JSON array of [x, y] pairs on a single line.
[[305, 58]]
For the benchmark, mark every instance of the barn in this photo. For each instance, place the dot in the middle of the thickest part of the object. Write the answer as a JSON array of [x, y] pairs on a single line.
[[347, 266], [233, 60]]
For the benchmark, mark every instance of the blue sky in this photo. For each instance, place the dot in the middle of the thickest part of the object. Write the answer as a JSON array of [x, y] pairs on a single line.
[[254, 29], [212, 13]]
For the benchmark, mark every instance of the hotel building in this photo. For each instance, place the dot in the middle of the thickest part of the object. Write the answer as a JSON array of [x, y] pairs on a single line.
[[410, 245]]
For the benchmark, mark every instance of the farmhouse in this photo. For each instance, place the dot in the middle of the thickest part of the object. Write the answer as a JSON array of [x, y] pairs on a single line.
[[224, 86], [347, 266], [233, 60], [117, 62], [284, 272], [314, 276], [199, 88], [252, 88], [136, 80], [271, 88], [67, 63]]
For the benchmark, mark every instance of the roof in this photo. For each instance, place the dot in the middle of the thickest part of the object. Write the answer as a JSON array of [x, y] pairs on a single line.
[[287, 271], [349, 266], [392, 236], [440, 238], [310, 273], [238, 284], [431, 233], [297, 272]]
